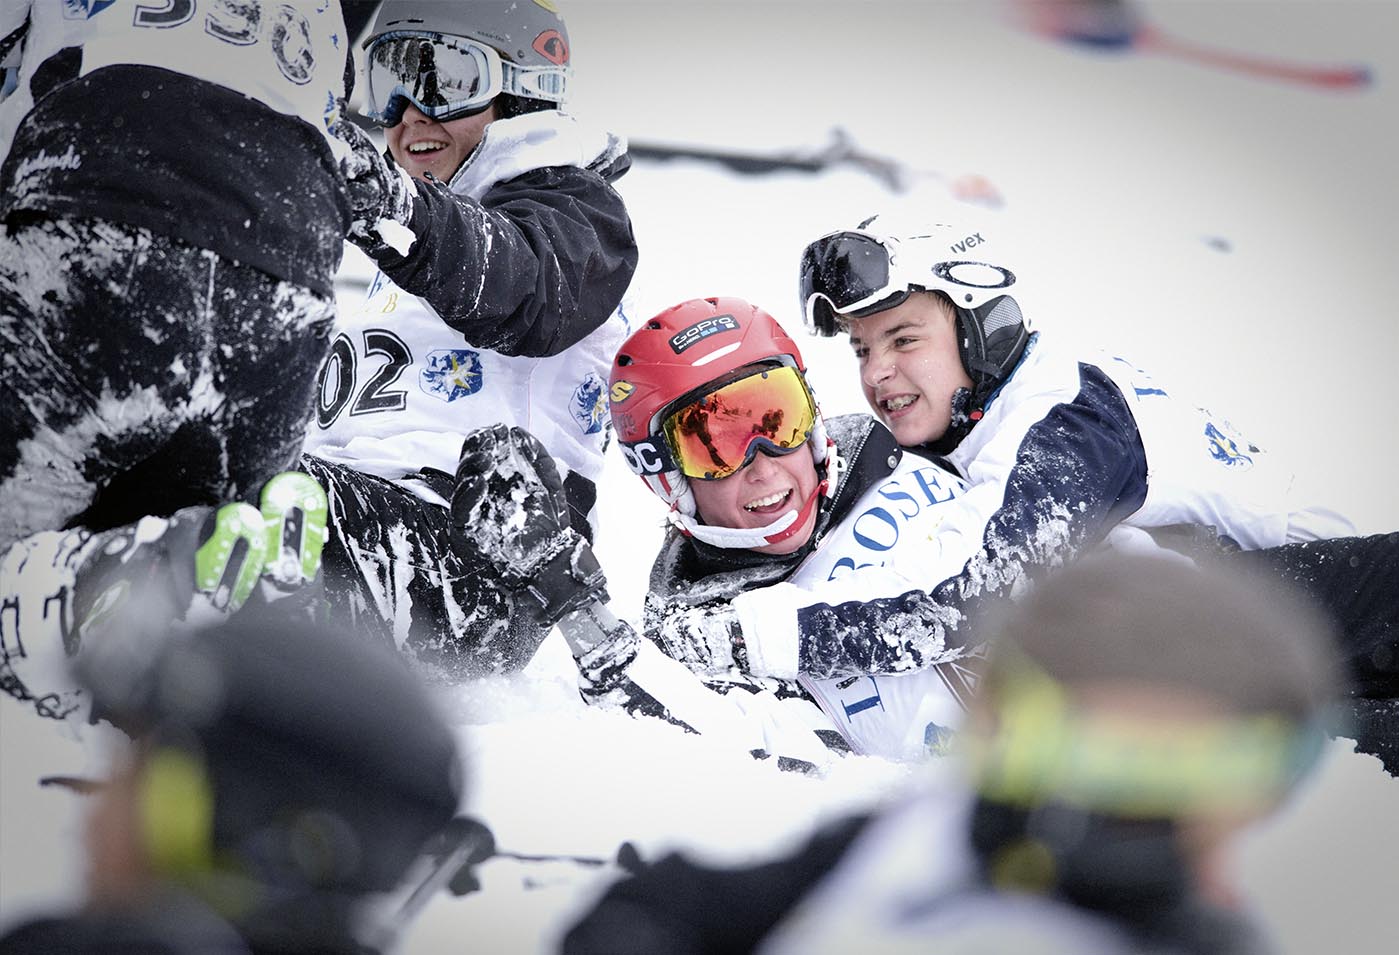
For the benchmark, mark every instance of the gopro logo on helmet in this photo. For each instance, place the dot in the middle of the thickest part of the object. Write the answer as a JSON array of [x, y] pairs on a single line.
[[701, 330]]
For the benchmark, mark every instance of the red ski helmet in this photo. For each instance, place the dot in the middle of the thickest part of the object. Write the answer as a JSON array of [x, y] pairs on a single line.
[[677, 358]]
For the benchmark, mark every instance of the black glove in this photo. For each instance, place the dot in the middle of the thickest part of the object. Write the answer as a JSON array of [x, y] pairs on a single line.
[[375, 188], [706, 637], [509, 512]]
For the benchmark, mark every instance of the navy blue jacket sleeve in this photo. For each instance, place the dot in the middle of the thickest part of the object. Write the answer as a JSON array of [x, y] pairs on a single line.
[[1078, 471]]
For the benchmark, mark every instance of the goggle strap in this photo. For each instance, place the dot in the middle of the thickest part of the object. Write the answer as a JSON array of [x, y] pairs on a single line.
[[535, 82]]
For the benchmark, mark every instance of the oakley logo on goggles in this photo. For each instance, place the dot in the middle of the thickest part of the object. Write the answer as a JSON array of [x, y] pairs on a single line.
[[718, 432], [446, 77], [859, 274]]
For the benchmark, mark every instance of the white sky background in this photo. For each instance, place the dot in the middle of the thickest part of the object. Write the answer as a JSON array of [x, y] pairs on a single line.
[[1116, 169], [1116, 166]]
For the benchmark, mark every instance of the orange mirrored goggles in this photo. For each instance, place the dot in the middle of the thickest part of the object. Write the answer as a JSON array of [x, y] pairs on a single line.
[[716, 434]]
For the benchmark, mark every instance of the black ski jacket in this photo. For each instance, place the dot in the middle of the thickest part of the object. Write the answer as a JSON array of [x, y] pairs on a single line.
[[534, 266]]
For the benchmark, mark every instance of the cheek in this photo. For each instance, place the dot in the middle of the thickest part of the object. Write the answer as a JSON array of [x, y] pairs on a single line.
[[801, 471], [392, 137], [708, 499], [931, 376]]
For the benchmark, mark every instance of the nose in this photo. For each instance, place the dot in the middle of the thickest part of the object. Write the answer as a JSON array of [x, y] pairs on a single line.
[[764, 462], [411, 114], [877, 369]]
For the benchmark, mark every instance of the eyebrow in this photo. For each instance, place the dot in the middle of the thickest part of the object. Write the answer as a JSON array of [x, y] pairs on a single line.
[[890, 332]]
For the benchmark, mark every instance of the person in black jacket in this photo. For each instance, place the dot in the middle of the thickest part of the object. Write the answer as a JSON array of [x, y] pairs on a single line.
[[248, 814], [173, 214], [504, 255], [1133, 715]]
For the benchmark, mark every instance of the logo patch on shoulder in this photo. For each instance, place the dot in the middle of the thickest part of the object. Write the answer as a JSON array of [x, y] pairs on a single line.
[[701, 330], [451, 373], [1224, 449], [588, 406], [84, 9]]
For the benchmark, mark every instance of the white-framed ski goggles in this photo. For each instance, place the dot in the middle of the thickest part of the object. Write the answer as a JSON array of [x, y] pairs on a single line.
[[856, 273], [447, 77]]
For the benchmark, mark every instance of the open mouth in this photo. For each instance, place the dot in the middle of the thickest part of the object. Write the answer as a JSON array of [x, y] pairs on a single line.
[[426, 146], [897, 403], [769, 504]]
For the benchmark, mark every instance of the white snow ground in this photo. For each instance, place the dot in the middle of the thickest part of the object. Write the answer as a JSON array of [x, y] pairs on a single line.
[[1231, 234]]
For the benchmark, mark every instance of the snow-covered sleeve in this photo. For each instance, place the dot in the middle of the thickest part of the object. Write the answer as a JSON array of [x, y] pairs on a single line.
[[618, 667], [534, 267], [1060, 469]]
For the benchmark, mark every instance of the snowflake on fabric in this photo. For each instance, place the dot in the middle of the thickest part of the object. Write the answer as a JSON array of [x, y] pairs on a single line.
[[588, 405], [1225, 449], [451, 373]]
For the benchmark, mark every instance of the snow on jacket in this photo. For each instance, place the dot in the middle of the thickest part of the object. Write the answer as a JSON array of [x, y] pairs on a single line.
[[1068, 449], [139, 113], [883, 532], [508, 308]]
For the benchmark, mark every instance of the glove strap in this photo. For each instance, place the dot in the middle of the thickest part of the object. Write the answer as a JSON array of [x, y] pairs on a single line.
[[570, 578]]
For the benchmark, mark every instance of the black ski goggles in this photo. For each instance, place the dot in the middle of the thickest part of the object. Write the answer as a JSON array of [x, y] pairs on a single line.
[[857, 274]]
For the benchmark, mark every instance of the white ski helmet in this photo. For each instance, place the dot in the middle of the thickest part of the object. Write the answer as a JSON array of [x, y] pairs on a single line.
[[855, 273]]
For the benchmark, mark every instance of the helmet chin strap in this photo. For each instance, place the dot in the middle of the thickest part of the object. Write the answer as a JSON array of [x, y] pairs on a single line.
[[748, 538]]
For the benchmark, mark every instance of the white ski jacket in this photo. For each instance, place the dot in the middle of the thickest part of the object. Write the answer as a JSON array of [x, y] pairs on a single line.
[[1069, 450], [543, 243]]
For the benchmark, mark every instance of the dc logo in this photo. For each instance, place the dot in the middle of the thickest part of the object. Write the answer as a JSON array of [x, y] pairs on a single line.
[[587, 406], [645, 457], [451, 373]]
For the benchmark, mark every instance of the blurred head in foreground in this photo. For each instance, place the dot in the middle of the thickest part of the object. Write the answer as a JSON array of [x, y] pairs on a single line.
[[279, 774], [1133, 715]]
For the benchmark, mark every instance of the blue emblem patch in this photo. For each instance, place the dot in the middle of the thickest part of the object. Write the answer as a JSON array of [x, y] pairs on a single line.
[[589, 404], [1224, 449], [84, 9], [451, 373], [937, 740]]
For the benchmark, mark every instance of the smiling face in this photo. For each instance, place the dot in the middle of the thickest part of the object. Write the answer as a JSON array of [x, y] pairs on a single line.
[[759, 493], [422, 145], [910, 366]]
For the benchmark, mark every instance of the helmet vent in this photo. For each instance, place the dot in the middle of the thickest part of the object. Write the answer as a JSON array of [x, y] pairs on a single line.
[[623, 360], [1005, 313]]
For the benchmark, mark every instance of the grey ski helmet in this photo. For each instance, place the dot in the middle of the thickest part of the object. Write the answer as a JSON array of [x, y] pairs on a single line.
[[528, 33], [855, 273]]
